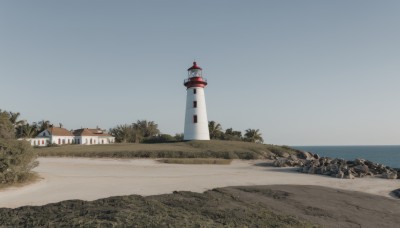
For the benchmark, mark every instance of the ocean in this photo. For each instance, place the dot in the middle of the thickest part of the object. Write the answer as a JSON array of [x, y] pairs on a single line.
[[387, 155]]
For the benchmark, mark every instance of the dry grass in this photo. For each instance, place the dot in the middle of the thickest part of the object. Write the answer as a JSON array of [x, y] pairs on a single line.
[[191, 149], [196, 161], [30, 178]]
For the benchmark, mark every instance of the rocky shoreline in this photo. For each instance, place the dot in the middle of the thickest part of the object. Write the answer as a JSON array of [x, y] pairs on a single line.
[[335, 167]]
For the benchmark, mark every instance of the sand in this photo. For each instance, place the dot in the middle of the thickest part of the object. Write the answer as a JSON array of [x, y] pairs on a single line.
[[90, 179]]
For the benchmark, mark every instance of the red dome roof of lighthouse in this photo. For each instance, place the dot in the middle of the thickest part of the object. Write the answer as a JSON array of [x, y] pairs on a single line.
[[195, 67]]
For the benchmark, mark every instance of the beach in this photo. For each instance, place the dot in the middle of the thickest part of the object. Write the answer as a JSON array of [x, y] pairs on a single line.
[[90, 179]]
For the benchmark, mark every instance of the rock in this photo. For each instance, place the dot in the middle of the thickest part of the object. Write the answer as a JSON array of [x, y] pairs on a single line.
[[305, 155], [283, 154], [350, 163], [316, 156], [396, 193], [316, 163], [333, 168], [340, 175], [305, 169], [361, 169], [359, 161], [390, 175], [349, 176], [311, 170], [280, 162]]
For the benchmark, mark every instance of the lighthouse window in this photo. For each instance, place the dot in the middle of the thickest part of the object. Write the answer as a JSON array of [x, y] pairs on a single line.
[[194, 91], [195, 119], [194, 104]]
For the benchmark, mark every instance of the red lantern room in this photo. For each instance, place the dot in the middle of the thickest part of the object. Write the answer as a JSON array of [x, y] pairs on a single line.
[[195, 77]]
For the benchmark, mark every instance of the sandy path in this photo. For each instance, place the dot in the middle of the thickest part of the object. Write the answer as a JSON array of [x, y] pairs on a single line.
[[90, 179]]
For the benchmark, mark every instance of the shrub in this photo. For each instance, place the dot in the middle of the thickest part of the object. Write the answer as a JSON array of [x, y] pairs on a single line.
[[16, 161], [162, 138]]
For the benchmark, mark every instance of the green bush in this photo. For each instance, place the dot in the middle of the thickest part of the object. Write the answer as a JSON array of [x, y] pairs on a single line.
[[17, 159]]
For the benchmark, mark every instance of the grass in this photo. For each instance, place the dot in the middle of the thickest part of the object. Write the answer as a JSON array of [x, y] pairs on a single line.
[[29, 178], [197, 161], [191, 149]]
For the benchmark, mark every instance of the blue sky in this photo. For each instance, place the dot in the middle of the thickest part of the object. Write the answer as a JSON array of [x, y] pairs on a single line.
[[303, 72]]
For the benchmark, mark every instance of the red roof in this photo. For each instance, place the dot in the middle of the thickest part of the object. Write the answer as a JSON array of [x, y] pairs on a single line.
[[58, 131], [90, 132], [195, 67]]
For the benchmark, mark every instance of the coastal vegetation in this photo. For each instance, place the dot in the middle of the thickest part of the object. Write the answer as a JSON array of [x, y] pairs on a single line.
[[242, 206], [17, 157], [251, 135], [144, 131], [191, 149]]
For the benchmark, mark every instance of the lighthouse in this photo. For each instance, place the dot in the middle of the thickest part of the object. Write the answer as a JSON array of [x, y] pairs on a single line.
[[196, 122]]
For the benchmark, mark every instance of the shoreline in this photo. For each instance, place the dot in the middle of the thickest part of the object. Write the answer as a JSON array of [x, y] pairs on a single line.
[[95, 178]]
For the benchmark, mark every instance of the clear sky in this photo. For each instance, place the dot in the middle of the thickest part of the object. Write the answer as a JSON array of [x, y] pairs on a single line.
[[303, 72]]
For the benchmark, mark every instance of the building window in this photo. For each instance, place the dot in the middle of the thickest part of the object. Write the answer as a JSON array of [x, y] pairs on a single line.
[[43, 142], [194, 91], [194, 104], [195, 119], [59, 141]]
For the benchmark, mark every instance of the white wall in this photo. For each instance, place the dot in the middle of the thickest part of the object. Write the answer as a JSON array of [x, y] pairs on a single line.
[[199, 130], [41, 141], [61, 140]]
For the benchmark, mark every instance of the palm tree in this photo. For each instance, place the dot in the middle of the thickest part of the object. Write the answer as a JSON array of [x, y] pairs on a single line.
[[43, 125], [137, 131], [14, 119], [253, 135], [230, 134], [144, 129], [28, 131], [215, 130]]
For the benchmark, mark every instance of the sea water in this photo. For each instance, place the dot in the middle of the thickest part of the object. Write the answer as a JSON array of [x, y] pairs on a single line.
[[387, 155]]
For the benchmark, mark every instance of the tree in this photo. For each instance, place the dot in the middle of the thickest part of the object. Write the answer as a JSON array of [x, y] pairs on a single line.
[[16, 156], [122, 133], [136, 132], [17, 159], [179, 137], [215, 130], [28, 131], [144, 129], [14, 119], [43, 125], [7, 130], [230, 134], [253, 135]]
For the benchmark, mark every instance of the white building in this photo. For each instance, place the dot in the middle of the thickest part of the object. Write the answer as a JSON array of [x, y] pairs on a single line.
[[61, 136], [196, 122], [88, 136], [38, 141], [57, 135]]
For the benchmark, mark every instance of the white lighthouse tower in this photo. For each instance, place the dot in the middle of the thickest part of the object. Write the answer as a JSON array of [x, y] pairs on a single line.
[[196, 122]]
